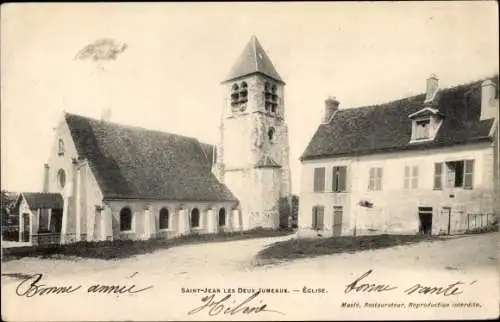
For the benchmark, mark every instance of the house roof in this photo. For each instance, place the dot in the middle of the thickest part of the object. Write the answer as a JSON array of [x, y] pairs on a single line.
[[135, 163], [252, 60], [387, 127], [43, 200]]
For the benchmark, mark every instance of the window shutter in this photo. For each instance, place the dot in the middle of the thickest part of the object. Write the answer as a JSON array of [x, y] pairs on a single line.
[[314, 215], [407, 178], [342, 179], [414, 179], [468, 174], [371, 181], [316, 180], [438, 176], [321, 214], [319, 179], [379, 178]]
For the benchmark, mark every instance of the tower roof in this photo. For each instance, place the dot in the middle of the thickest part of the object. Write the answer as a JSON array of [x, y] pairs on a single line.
[[252, 60]]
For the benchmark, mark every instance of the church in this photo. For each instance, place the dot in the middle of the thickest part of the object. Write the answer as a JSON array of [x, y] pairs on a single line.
[[125, 182]]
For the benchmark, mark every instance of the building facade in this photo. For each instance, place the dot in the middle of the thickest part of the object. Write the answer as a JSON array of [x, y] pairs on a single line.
[[424, 164]]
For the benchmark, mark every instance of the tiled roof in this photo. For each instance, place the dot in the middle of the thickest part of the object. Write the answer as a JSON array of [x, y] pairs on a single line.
[[135, 163], [387, 127], [43, 200], [252, 60]]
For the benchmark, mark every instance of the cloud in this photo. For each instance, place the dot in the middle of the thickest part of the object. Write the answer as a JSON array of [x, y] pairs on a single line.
[[102, 50]]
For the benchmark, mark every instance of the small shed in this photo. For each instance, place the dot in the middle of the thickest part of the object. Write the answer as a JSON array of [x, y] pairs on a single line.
[[40, 217]]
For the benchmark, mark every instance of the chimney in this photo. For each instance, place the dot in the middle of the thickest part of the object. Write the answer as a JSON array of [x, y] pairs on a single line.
[[489, 102], [432, 87], [331, 106], [46, 169]]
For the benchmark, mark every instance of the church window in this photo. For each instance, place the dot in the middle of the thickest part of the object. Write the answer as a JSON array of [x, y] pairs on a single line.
[[125, 219], [243, 94], [195, 218], [270, 134], [222, 217], [61, 178], [234, 95], [164, 218], [60, 147]]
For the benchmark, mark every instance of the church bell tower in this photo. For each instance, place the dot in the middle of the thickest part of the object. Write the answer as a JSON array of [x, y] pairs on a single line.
[[253, 152]]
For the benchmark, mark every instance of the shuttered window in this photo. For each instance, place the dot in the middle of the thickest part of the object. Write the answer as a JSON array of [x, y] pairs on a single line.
[[339, 179], [438, 176], [468, 174], [319, 179], [375, 179], [411, 177], [318, 213]]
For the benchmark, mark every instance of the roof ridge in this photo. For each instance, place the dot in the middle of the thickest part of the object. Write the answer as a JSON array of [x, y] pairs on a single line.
[[414, 96], [135, 127]]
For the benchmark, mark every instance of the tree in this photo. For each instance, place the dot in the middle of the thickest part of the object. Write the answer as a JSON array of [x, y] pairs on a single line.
[[289, 211]]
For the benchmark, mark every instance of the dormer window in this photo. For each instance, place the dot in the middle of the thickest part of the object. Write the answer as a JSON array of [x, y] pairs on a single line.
[[422, 129], [60, 147], [425, 124]]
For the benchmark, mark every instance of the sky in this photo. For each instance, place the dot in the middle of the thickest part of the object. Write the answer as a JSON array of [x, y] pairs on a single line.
[[169, 76]]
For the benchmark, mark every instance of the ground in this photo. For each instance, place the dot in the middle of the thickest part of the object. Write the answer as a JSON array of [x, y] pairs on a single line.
[[471, 259]]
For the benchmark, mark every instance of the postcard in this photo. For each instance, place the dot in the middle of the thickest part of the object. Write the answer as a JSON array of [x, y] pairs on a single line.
[[250, 161]]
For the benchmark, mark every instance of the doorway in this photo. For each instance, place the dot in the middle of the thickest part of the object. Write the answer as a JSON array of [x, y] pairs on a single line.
[[56, 221], [337, 220], [446, 217], [26, 228], [425, 217]]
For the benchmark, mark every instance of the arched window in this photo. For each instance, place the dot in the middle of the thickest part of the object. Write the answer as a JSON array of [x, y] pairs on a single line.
[[125, 219], [195, 217], [243, 95], [273, 89], [222, 217], [60, 147], [61, 178], [164, 218], [270, 134], [234, 95]]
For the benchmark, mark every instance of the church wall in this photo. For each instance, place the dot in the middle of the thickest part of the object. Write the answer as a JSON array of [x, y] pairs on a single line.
[[146, 218]]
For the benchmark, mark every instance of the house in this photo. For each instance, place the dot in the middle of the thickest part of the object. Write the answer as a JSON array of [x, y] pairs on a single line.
[[125, 182], [422, 164], [39, 217]]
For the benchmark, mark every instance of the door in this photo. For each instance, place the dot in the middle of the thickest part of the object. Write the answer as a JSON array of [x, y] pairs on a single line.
[[56, 221], [446, 219], [425, 217], [337, 220], [26, 228]]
